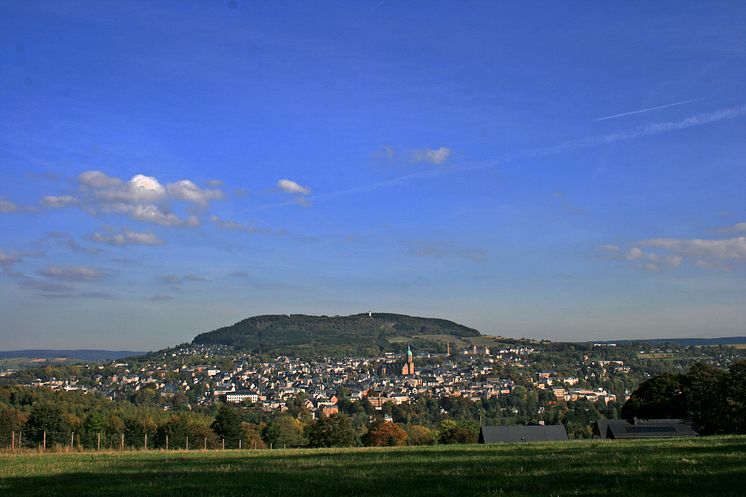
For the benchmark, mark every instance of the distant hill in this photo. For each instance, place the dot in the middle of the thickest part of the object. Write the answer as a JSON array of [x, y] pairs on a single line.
[[359, 334], [83, 354], [684, 341]]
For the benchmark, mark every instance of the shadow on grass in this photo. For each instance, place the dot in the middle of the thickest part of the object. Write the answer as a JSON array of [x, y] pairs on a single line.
[[626, 469]]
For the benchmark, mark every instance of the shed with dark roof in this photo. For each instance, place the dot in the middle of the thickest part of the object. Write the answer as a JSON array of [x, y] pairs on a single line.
[[511, 434], [643, 428]]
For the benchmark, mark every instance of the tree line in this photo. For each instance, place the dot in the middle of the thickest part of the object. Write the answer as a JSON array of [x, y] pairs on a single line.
[[714, 400]]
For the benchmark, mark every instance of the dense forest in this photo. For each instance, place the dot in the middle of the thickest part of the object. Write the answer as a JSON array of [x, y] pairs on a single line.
[[359, 334]]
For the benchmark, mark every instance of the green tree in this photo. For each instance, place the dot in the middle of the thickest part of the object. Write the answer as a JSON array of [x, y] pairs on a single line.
[[11, 420], [285, 431], [49, 419], [334, 431], [95, 424], [451, 432], [733, 403], [227, 425], [421, 435], [659, 397]]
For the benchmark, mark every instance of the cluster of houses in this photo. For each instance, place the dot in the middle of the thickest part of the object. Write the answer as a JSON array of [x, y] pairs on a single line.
[[472, 373]]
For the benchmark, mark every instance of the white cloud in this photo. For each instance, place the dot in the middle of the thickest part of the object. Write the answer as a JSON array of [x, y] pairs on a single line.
[[152, 213], [73, 273], [733, 249], [289, 186], [433, 156], [7, 206], [59, 202], [668, 253], [735, 228], [640, 259], [143, 198], [188, 191], [127, 237], [139, 188]]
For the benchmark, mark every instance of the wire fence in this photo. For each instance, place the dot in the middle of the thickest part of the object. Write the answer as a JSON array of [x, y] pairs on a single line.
[[55, 441]]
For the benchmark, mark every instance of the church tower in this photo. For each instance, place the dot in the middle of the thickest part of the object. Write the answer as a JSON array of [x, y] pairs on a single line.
[[408, 368]]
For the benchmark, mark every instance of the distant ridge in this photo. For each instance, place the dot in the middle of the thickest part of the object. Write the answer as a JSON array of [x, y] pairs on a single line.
[[358, 334], [83, 354], [682, 341]]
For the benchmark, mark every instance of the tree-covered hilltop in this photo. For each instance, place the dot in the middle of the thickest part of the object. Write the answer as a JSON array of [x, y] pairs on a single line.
[[358, 334]]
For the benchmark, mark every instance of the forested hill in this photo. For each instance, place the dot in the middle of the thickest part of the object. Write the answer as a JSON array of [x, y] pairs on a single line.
[[359, 334]]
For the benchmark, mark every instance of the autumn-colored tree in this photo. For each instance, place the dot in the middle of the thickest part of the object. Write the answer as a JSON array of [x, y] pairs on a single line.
[[252, 438], [421, 435], [385, 434]]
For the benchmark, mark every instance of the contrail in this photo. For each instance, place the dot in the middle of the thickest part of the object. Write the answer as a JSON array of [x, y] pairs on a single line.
[[588, 141], [376, 7], [646, 110]]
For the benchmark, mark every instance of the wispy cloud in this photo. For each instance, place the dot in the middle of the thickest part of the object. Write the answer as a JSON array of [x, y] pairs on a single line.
[[58, 201], [735, 228], [161, 297], [641, 131], [67, 241], [172, 279], [640, 259], [420, 248], [656, 254], [8, 259], [730, 249], [648, 109], [7, 206], [127, 237], [73, 273], [431, 155], [229, 225]]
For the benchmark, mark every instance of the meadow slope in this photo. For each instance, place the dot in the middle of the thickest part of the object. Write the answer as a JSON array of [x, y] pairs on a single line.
[[713, 466]]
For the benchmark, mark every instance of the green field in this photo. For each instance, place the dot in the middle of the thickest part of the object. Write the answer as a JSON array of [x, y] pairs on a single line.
[[686, 467]]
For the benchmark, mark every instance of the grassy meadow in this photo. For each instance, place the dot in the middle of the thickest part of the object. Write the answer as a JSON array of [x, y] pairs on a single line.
[[711, 466]]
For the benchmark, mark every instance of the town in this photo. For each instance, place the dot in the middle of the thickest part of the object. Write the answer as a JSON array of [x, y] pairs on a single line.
[[195, 376]]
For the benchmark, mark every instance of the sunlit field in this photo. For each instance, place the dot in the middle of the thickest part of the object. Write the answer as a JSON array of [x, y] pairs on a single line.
[[697, 467]]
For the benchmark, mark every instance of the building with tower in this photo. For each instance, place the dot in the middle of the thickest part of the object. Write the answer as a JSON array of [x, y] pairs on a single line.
[[408, 368]]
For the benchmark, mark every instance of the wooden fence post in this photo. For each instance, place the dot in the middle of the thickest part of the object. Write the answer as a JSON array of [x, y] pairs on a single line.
[[13, 440], [239, 444], [223, 444], [166, 442], [205, 443], [187, 443], [98, 441], [72, 440], [121, 442], [44, 442], [146, 441]]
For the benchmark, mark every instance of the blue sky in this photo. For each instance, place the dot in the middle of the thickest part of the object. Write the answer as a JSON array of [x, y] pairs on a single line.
[[573, 171]]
